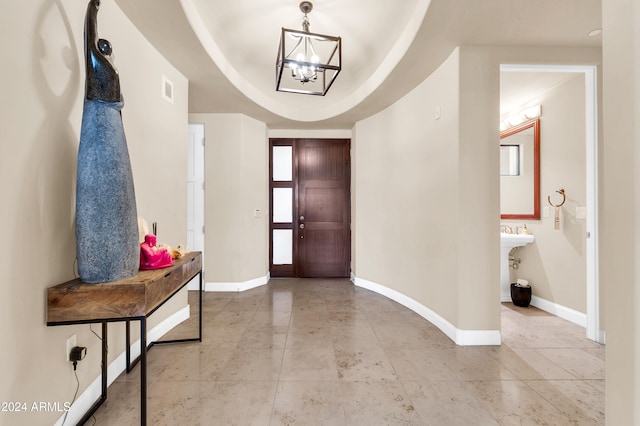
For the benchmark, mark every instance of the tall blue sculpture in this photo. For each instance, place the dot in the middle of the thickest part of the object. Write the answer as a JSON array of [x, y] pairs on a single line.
[[107, 244]]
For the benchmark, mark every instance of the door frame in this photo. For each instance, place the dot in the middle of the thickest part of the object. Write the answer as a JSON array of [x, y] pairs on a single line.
[[293, 270], [196, 202], [590, 72]]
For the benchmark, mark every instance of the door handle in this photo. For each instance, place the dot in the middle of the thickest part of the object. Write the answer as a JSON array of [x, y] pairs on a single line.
[[302, 226]]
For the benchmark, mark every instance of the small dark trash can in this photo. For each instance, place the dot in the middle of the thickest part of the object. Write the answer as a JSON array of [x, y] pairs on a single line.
[[521, 296]]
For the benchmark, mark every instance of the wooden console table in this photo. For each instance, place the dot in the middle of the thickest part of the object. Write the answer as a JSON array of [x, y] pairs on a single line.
[[132, 299]]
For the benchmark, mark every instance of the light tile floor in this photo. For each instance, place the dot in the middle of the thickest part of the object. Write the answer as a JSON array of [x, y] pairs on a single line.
[[324, 352]]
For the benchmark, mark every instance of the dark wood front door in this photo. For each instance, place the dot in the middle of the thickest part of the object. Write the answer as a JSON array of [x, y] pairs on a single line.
[[321, 210]]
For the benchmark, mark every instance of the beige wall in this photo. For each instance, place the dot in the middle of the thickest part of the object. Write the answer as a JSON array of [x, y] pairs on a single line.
[[44, 71], [479, 191], [450, 212], [236, 176], [620, 254], [555, 264], [405, 180], [414, 178]]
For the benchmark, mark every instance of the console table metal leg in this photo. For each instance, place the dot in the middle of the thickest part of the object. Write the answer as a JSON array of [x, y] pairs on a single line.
[[105, 361], [200, 311], [103, 377], [143, 371], [128, 346]]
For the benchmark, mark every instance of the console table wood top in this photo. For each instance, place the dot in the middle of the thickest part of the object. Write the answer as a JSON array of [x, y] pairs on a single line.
[[78, 302]]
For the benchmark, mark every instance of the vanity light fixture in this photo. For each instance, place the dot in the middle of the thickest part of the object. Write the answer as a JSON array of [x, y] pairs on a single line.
[[307, 63], [520, 117]]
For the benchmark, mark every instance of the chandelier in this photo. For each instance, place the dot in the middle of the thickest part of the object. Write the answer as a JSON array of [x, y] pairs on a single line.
[[307, 63]]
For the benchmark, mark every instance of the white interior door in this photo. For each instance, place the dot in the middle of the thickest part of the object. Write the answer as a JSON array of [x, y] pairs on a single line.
[[195, 192]]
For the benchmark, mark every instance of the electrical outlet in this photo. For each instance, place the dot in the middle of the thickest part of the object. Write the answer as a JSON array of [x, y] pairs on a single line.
[[71, 342]]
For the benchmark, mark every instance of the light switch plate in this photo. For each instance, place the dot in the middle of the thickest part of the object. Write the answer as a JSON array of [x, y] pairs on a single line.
[[581, 212], [545, 212]]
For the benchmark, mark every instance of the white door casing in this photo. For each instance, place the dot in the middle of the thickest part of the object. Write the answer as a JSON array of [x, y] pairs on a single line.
[[593, 330], [195, 192]]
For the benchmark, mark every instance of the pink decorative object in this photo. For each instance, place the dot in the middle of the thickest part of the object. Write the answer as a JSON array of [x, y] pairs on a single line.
[[153, 257]]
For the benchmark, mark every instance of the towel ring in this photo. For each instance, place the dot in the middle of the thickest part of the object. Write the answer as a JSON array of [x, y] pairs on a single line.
[[564, 198]]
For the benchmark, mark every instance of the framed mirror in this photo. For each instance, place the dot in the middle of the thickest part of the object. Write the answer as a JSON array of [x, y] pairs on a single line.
[[520, 171]]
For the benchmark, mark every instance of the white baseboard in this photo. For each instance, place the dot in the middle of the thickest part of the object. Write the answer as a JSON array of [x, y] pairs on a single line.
[[86, 400], [560, 311], [602, 337], [237, 286], [478, 337], [459, 337]]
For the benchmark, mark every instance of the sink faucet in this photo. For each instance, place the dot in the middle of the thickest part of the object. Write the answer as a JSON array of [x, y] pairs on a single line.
[[506, 229]]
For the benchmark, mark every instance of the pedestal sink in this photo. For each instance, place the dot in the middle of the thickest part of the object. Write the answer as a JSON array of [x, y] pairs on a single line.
[[508, 242]]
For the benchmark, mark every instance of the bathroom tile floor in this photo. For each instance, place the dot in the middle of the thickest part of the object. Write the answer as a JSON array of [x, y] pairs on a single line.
[[324, 352]]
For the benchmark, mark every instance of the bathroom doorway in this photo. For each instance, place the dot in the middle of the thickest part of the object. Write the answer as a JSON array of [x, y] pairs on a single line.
[[584, 211]]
